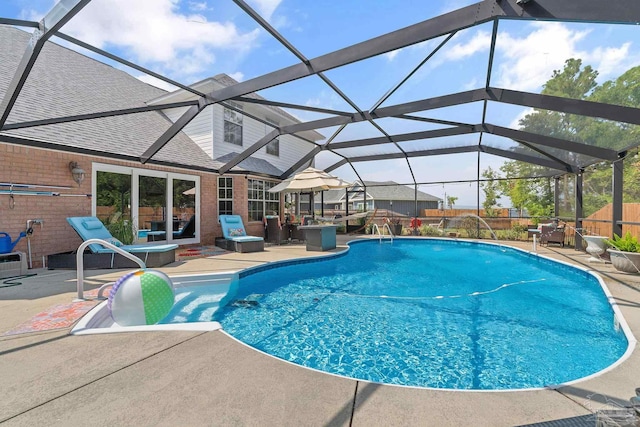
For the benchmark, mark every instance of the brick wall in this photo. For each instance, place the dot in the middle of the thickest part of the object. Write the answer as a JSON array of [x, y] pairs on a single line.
[[26, 165]]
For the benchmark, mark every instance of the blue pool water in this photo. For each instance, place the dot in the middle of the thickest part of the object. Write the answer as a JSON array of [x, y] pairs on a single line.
[[431, 313]]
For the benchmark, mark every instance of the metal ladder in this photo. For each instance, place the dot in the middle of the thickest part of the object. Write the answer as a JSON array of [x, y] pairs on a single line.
[[379, 232]]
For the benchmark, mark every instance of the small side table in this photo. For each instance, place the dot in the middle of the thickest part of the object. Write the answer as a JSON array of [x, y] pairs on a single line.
[[319, 237]]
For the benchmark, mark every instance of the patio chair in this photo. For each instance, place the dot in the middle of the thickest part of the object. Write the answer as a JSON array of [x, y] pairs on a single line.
[[235, 236], [550, 234], [276, 231], [90, 227]]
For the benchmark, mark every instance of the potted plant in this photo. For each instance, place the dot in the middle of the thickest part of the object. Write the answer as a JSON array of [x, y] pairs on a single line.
[[625, 253]]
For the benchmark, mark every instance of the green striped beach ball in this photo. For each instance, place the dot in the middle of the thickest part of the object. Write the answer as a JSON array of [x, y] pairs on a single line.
[[143, 297]]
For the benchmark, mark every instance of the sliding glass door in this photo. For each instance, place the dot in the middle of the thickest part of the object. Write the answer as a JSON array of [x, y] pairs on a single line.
[[139, 205]]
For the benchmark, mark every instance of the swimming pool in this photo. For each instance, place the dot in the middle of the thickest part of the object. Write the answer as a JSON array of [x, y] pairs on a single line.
[[419, 312], [431, 313]]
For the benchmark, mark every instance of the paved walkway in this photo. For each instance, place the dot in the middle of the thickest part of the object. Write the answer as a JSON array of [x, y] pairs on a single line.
[[194, 378]]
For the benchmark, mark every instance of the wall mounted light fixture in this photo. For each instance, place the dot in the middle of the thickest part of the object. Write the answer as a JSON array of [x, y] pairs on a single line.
[[77, 173]]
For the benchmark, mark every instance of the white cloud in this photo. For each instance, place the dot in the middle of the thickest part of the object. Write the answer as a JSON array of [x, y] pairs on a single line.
[[198, 6], [473, 84], [612, 61], [515, 123], [180, 43], [392, 54], [529, 61], [326, 99], [31, 15], [237, 76], [266, 7], [156, 82], [481, 41]]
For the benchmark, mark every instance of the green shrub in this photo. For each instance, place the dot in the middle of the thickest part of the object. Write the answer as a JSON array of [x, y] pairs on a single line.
[[425, 230], [519, 228], [628, 243], [509, 234], [472, 227]]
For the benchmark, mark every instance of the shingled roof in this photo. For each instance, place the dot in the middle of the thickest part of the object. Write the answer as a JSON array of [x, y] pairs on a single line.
[[385, 190], [64, 82], [254, 164]]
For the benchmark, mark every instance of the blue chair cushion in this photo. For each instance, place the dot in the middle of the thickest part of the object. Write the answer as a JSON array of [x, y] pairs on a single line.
[[90, 227], [92, 224], [246, 239]]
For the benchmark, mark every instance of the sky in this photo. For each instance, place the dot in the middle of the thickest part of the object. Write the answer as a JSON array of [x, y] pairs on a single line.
[[190, 40]]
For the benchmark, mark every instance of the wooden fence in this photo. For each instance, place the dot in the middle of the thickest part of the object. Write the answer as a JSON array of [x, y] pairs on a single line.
[[630, 212]]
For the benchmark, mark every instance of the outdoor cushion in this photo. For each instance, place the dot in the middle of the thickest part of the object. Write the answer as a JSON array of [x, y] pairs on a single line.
[[246, 239], [235, 232], [92, 224]]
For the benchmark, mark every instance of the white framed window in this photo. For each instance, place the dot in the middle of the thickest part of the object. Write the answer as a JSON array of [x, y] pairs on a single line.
[[147, 205], [261, 202], [225, 195], [233, 126]]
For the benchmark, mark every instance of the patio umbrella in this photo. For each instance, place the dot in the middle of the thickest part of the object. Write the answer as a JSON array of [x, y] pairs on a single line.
[[310, 180]]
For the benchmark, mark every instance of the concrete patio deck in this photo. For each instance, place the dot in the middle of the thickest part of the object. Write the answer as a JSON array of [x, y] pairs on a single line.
[[195, 378]]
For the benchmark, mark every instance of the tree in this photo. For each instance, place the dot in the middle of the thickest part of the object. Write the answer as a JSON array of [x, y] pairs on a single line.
[[625, 91], [451, 200], [113, 189], [491, 189], [578, 82], [536, 194], [533, 194]]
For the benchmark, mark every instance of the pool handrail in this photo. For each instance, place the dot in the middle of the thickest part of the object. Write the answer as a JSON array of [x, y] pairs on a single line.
[[80, 261], [376, 227]]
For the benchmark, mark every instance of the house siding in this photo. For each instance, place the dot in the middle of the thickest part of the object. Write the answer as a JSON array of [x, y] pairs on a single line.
[[200, 129], [406, 207], [291, 148]]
